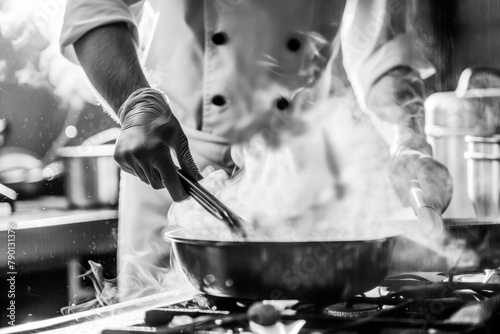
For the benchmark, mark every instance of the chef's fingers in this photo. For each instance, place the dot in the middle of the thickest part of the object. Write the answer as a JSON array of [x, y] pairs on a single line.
[[127, 169], [156, 181], [436, 181], [405, 165], [139, 171], [127, 162], [154, 177], [402, 170], [121, 161], [185, 158], [163, 163], [124, 156], [401, 186]]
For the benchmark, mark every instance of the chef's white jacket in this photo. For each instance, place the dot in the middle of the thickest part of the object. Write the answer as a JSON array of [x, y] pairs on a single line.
[[224, 62]]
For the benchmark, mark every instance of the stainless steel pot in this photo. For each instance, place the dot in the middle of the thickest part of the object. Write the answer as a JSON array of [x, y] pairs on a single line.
[[329, 270], [483, 174], [472, 110], [92, 176]]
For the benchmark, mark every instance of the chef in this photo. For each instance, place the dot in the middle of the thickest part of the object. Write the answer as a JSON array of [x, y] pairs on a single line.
[[214, 72]]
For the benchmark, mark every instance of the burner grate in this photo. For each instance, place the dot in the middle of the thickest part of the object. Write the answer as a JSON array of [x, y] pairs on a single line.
[[409, 303]]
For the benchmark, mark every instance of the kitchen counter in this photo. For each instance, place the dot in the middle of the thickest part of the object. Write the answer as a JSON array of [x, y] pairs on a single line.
[[48, 232], [50, 245], [114, 316], [50, 209]]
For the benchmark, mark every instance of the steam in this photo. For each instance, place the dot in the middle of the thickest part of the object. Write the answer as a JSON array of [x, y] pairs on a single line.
[[3, 70], [105, 291], [33, 28], [147, 279], [327, 183]]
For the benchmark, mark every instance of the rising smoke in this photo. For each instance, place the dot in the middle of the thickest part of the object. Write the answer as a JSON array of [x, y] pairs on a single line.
[[329, 182], [33, 28]]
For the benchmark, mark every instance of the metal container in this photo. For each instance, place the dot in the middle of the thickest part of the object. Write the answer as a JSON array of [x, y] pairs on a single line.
[[317, 271], [471, 110], [92, 176], [483, 175]]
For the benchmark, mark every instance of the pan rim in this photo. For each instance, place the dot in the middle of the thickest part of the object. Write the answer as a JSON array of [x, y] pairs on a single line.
[[169, 235]]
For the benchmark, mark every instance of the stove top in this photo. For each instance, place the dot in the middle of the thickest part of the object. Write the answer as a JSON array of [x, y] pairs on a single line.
[[465, 302]]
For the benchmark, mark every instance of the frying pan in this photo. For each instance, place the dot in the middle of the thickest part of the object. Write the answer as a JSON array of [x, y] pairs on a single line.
[[310, 270]]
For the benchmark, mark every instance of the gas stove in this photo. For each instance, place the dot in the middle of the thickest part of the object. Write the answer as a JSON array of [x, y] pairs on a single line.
[[465, 302], [416, 302]]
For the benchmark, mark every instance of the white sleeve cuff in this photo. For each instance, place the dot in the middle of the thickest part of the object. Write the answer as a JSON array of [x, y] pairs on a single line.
[[399, 51], [82, 16]]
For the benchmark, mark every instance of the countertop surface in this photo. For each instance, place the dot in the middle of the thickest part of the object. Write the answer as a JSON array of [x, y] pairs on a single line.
[[51, 211], [114, 316], [47, 232]]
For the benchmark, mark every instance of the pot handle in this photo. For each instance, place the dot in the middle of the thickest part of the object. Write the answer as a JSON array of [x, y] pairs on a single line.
[[464, 82]]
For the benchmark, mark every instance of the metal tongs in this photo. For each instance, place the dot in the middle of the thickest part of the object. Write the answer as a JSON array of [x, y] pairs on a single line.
[[214, 206]]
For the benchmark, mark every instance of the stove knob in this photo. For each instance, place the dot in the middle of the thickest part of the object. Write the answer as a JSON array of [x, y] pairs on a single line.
[[263, 314]]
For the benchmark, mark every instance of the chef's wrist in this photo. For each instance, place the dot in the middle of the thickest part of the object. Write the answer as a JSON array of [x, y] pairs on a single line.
[[409, 95], [412, 146], [139, 100]]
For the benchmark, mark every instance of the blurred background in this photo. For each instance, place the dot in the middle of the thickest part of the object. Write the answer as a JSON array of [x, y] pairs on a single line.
[[45, 102]]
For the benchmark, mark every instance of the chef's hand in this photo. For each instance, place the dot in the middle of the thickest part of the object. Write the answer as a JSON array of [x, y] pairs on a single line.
[[149, 133], [434, 178]]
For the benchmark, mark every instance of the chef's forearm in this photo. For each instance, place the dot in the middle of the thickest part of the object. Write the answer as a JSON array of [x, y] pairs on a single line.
[[385, 66], [409, 95], [108, 57]]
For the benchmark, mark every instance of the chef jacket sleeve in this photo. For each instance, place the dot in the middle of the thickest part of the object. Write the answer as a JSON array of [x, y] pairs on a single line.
[[373, 43], [82, 16]]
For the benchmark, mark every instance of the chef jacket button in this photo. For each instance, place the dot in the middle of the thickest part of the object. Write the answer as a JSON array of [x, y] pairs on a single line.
[[219, 38], [282, 103], [293, 44], [219, 100]]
